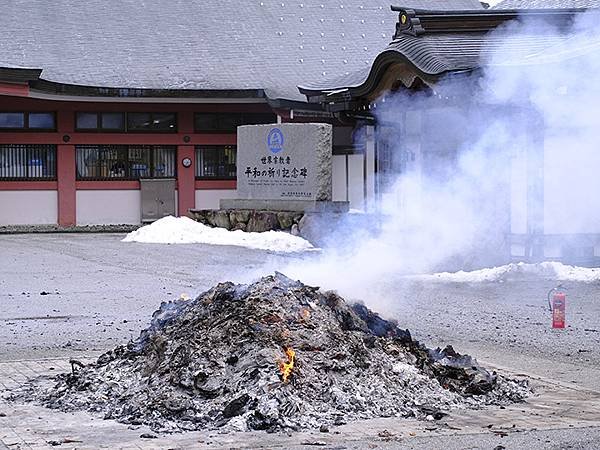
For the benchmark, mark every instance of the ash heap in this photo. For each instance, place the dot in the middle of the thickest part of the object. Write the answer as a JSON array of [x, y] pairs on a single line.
[[276, 354]]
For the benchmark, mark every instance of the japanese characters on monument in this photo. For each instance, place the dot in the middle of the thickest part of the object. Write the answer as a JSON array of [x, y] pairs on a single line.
[[284, 162]]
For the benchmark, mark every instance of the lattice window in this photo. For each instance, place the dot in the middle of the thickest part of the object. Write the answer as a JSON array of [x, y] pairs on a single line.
[[27, 162], [125, 162], [216, 162]]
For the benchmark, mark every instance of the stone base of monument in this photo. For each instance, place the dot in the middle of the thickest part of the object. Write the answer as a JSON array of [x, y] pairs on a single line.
[[284, 182], [305, 206], [312, 225]]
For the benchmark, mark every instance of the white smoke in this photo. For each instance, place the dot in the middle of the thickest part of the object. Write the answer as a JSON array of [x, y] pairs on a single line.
[[462, 183]]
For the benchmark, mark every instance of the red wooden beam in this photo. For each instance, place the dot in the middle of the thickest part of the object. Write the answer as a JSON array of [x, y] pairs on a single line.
[[216, 184], [110, 185], [75, 138], [13, 89], [28, 185]]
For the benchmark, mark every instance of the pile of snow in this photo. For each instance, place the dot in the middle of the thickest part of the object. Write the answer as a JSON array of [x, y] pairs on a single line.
[[548, 270], [183, 230]]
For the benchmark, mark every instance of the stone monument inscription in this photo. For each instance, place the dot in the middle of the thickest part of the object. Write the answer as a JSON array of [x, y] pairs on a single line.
[[284, 162]]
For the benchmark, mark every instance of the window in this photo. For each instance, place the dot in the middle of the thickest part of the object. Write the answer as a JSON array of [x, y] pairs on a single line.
[[40, 121], [112, 121], [136, 122], [216, 162], [27, 162], [106, 121], [125, 162], [228, 122], [152, 122], [12, 120]]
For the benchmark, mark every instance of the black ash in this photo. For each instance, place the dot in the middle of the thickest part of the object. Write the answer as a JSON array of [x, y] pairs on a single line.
[[215, 362]]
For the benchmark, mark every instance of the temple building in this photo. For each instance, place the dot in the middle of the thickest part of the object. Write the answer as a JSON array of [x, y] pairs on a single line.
[[96, 95], [435, 74]]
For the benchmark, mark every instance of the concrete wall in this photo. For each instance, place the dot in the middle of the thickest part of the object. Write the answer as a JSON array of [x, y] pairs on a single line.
[[209, 198], [112, 207], [28, 207]]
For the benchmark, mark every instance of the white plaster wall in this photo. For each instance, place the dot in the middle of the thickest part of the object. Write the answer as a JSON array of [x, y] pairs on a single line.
[[572, 183], [28, 207], [338, 163], [356, 178], [370, 167], [518, 194], [111, 207], [209, 198], [517, 250], [552, 251]]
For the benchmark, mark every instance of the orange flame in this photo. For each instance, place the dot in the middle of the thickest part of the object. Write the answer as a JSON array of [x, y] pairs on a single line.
[[286, 367], [304, 314]]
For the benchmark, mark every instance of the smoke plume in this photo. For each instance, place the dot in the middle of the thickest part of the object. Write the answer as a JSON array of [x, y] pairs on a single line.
[[457, 184]]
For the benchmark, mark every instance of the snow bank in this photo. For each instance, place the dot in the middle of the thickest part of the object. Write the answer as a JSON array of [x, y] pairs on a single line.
[[183, 230], [548, 270]]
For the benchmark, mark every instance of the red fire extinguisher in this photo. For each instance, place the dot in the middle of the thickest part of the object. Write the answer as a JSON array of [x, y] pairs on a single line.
[[557, 306]]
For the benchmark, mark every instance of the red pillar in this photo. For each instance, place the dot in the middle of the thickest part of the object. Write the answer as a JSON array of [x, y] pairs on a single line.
[[65, 172], [66, 185], [186, 176]]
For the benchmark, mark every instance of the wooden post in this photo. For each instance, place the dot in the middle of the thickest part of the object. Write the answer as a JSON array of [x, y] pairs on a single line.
[[66, 171], [534, 249]]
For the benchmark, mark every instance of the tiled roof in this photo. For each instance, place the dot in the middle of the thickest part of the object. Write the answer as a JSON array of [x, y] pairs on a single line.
[[431, 54], [435, 55], [199, 44]]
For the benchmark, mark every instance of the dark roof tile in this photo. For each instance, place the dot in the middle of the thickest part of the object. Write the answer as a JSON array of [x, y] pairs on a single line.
[[200, 44]]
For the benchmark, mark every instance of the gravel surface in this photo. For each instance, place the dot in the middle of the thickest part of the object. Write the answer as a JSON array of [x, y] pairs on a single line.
[[508, 324], [68, 293], [72, 292], [63, 293]]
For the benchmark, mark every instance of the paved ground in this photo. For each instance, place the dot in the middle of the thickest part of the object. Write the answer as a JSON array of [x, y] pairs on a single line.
[[77, 295], [509, 324], [85, 292]]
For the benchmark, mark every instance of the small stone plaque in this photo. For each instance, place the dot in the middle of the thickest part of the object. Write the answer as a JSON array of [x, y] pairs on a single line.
[[284, 162]]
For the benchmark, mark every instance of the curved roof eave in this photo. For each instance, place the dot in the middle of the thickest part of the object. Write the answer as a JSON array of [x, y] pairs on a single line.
[[41, 88], [63, 89], [383, 61], [16, 74]]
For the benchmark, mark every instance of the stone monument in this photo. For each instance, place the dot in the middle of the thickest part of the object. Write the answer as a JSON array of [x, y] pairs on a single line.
[[284, 167]]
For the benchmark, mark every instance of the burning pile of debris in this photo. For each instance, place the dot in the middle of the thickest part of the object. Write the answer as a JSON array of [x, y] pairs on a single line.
[[272, 355]]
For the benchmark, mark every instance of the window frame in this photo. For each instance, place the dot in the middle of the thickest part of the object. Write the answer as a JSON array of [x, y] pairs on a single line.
[[99, 128], [199, 148], [126, 149], [125, 129], [28, 148], [25, 128], [174, 130], [242, 117]]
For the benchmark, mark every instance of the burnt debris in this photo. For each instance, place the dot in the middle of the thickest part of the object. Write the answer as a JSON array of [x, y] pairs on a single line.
[[275, 354]]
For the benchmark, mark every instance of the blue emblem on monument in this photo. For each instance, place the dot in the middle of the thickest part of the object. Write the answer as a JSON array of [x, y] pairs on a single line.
[[275, 140]]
